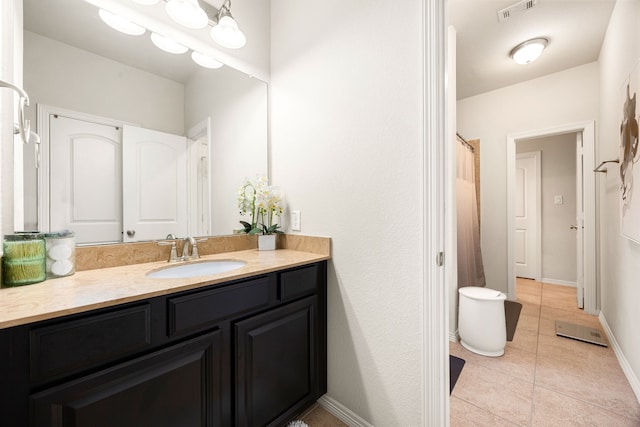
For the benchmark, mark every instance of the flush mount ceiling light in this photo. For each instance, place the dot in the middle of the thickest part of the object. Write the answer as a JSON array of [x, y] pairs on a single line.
[[529, 51], [167, 44], [187, 13], [226, 32], [120, 23], [204, 60]]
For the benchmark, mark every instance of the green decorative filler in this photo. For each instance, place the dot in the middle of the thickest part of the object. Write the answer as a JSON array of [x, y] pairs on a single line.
[[23, 262]]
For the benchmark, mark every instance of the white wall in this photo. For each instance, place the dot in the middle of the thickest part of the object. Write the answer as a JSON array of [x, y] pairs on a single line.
[[566, 97], [558, 168], [67, 77], [619, 257], [237, 106], [347, 113]]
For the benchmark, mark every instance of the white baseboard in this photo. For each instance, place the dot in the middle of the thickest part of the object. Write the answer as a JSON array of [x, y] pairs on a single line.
[[345, 415], [624, 364], [558, 282], [453, 336]]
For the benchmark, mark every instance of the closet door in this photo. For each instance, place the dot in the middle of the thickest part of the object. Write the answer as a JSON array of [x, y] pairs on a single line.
[[85, 179], [155, 184]]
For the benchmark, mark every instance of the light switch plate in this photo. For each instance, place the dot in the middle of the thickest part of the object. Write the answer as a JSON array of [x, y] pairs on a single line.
[[295, 221]]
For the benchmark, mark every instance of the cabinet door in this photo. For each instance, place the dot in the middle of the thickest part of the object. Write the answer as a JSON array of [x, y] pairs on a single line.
[[276, 364], [178, 386]]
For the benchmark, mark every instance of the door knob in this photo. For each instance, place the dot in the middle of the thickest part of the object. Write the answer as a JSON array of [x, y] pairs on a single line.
[[573, 227], [131, 233]]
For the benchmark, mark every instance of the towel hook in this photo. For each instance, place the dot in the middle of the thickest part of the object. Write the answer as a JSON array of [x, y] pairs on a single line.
[[604, 170], [23, 127]]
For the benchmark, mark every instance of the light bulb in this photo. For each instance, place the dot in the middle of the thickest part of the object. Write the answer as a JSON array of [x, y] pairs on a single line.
[[227, 34], [121, 24], [167, 44], [187, 13], [529, 51], [205, 60]]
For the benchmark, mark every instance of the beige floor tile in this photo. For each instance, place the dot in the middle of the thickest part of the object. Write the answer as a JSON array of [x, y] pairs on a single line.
[[464, 414], [532, 299], [500, 394], [320, 417], [589, 377], [514, 362], [576, 383], [556, 410], [530, 309], [524, 340], [528, 285]]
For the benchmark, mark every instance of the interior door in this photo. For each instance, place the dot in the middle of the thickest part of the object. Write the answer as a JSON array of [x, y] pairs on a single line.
[[85, 179], [526, 234], [155, 184], [579, 227]]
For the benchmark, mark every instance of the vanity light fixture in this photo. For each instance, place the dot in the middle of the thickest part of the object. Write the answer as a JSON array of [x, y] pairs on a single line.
[[120, 23], [167, 44], [529, 51], [204, 60], [226, 32], [187, 13]]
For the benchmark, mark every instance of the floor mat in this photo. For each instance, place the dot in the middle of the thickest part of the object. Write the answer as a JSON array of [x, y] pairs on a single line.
[[455, 367], [512, 314]]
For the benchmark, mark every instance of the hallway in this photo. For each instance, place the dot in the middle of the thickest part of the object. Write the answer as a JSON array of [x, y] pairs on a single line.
[[543, 379]]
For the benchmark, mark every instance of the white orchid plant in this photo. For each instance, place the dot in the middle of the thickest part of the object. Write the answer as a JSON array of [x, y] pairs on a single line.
[[263, 202]]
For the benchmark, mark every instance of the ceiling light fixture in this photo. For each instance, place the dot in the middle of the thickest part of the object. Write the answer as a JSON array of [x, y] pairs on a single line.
[[167, 44], [529, 51], [187, 13], [205, 60], [120, 23], [226, 32]]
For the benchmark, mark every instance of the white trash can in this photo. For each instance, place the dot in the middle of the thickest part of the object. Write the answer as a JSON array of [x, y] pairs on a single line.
[[481, 320]]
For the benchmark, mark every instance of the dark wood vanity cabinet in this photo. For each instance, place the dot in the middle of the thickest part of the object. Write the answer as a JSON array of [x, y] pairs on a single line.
[[245, 353]]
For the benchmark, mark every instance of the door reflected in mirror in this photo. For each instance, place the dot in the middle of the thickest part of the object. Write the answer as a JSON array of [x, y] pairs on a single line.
[[75, 65]]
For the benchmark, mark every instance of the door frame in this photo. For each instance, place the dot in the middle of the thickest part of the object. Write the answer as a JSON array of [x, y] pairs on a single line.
[[43, 157], [536, 155], [587, 128]]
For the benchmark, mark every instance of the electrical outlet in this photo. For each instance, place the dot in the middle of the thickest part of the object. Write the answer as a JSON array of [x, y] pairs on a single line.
[[295, 221], [557, 200]]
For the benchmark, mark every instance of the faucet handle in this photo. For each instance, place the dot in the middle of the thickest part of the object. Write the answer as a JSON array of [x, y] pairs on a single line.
[[194, 248], [173, 256]]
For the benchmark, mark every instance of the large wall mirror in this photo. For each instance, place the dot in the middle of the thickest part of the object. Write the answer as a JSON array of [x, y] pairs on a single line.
[[83, 76]]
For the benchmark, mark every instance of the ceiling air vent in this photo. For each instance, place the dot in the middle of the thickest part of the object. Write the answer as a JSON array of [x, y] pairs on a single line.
[[516, 9]]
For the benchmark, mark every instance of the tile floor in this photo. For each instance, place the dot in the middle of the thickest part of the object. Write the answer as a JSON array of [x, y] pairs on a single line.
[[317, 416], [543, 379]]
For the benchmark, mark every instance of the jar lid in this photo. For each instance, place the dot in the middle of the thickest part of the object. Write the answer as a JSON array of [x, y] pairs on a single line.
[[60, 234], [23, 236]]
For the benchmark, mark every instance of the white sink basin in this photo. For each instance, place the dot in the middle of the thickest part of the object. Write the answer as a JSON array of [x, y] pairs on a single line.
[[202, 268]]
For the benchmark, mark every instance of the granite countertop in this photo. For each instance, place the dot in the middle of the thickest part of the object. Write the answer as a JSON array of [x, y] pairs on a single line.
[[92, 289]]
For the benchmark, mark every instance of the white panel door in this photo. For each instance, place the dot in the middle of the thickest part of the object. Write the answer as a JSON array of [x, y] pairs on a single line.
[[155, 184], [579, 222], [526, 253], [85, 179]]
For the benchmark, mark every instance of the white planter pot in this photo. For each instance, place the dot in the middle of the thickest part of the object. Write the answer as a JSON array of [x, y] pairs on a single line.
[[267, 242]]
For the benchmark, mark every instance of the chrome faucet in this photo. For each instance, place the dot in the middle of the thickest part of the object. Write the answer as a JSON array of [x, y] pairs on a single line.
[[188, 243]]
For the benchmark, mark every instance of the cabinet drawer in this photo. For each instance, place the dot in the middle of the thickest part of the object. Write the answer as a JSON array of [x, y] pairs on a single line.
[[204, 309], [79, 344], [298, 282]]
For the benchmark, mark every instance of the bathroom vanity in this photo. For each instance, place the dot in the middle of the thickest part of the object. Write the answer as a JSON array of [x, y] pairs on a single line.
[[244, 348]]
